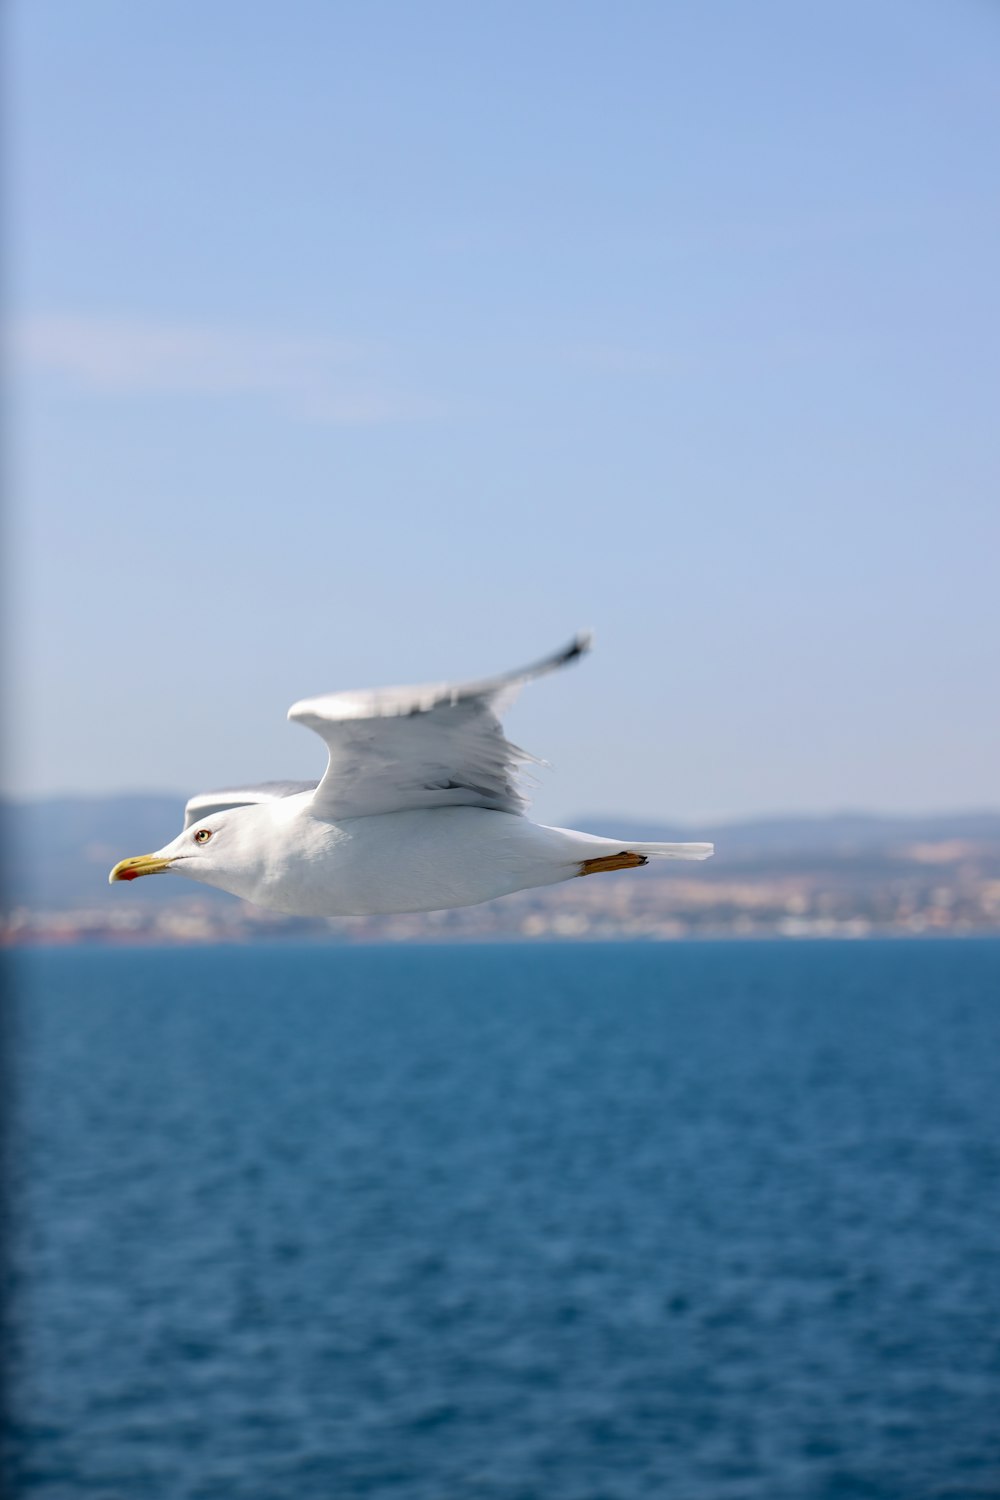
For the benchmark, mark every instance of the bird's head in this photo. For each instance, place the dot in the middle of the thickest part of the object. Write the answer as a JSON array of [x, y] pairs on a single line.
[[209, 851]]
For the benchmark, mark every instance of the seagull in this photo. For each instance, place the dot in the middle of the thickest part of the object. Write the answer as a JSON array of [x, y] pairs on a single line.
[[419, 810]]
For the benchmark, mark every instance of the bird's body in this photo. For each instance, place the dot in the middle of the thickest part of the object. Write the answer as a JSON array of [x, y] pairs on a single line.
[[418, 811], [393, 862]]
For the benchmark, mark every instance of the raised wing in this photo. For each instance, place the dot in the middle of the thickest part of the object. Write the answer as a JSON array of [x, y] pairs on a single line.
[[395, 749], [207, 803]]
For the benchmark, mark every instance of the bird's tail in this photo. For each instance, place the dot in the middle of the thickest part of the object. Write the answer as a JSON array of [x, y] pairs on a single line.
[[672, 851], [628, 856]]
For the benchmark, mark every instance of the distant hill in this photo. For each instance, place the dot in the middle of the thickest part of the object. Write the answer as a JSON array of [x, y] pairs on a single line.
[[58, 851], [840, 834]]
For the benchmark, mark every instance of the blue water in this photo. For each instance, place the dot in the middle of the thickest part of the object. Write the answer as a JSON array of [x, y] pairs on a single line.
[[527, 1223]]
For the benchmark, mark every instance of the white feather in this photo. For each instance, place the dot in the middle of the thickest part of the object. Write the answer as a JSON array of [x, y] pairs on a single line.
[[404, 749]]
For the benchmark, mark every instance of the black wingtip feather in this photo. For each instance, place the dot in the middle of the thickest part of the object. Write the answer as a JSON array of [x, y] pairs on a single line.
[[578, 646]]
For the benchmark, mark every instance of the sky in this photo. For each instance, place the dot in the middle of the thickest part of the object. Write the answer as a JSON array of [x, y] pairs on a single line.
[[352, 345]]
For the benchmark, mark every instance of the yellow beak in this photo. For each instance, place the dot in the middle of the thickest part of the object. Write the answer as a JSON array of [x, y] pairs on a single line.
[[139, 864]]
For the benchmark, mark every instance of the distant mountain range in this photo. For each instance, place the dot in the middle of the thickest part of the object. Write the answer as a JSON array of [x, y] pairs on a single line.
[[58, 850], [842, 834]]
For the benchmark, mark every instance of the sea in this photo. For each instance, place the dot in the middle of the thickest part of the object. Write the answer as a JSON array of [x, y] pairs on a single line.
[[682, 1221]]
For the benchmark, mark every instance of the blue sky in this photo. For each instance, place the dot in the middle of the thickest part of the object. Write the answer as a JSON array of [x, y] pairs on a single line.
[[387, 343]]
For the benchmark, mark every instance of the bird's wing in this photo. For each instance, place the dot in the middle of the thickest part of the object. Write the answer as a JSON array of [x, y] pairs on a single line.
[[207, 803], [395, 749]]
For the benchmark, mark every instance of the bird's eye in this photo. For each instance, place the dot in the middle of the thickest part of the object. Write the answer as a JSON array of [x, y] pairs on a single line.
[[203, 835]]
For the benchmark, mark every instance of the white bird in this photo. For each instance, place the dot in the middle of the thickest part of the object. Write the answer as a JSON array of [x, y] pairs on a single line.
[[418, 810]]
